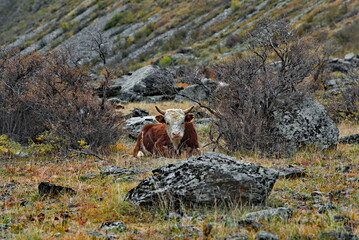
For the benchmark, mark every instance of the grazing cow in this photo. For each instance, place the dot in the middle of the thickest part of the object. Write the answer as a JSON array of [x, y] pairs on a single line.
[[174, 134]]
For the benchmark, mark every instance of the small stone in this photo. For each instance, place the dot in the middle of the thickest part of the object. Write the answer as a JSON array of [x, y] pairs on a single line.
[[349, 56], [281, 212], [88, 176], [353, 179], [58, 234], [325, 207], [116, 170], [317, 194], [106, 236], [118, 225], [52, 190], [250, 224], [336, 194], [341, 218], [291, 172], [126, 179], [344, 169], [333, 235], [263, 235], [173, 215], [25, 203]]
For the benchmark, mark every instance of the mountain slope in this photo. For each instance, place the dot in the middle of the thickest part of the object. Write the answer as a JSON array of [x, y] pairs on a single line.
[[139, 32]]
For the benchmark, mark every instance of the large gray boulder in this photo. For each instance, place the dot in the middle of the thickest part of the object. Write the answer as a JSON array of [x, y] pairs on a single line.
[[147, 81], [300, 120], [197, 91], [205, 179]]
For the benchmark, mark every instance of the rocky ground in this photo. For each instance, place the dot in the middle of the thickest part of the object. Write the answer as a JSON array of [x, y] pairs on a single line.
[[316, 199]]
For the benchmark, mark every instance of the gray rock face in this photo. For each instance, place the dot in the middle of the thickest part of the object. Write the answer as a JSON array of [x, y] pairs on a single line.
[[303, 121], [263, 235], [281, 212], [197, 91], [135, 124], [147, 81], [205, 179]]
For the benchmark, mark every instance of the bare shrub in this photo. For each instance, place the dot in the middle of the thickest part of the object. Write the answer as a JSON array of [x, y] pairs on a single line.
[[46, 92], [277, 62]]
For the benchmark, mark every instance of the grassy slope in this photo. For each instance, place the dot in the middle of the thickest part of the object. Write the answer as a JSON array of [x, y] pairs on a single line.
[[73, 217], [326, 19]]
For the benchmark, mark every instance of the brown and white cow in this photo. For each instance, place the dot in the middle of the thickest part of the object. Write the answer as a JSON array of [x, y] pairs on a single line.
[[174, 134]]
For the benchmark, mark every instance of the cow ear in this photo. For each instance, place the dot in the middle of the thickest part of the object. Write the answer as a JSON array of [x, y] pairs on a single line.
[[160, 119], [189, 117]]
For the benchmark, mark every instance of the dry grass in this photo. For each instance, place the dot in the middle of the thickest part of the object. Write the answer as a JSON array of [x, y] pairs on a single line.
[[102, 199]]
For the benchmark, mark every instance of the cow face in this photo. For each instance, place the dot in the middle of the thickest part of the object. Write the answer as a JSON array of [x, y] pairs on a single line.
[[175, 120]]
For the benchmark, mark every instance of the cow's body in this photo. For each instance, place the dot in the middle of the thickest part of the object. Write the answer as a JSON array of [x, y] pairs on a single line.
[[165, 140]]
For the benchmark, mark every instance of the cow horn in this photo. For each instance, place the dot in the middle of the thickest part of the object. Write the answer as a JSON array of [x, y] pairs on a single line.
[[188, 110], [160, 111]]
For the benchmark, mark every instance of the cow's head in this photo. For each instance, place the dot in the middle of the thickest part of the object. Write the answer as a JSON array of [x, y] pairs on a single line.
[[175, 121]]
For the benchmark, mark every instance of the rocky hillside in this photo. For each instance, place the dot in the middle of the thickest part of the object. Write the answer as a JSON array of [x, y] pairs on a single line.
[[137, 33]]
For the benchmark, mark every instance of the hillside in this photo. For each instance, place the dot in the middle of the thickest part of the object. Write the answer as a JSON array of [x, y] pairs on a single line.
[[137, 33], [253, 134]]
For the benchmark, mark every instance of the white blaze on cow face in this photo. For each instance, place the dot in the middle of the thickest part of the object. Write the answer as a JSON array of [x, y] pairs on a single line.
[[175, 124]]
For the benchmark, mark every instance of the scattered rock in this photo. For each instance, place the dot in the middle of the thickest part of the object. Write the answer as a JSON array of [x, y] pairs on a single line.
[[344, 169], [135, 124], [324, 207], [126, 179], [250, 224], [300, 121], [106, 236], [116, 170], [263, 235], [10, 185], [4, 195], [189, 232], [317, 194], [281, 212], [52, 190], [88, 176], [291, 172], [115, 225], [211, 177], [302, 196], [25, 203], [333, 235], [353, 179], [336, 194], [341, 218], [350, 139], [242, 235], [138, 112], [4, 226], [349, 56]]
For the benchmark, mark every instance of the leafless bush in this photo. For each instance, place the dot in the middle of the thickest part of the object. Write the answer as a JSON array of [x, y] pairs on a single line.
[[278, 61], [45, 92]]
